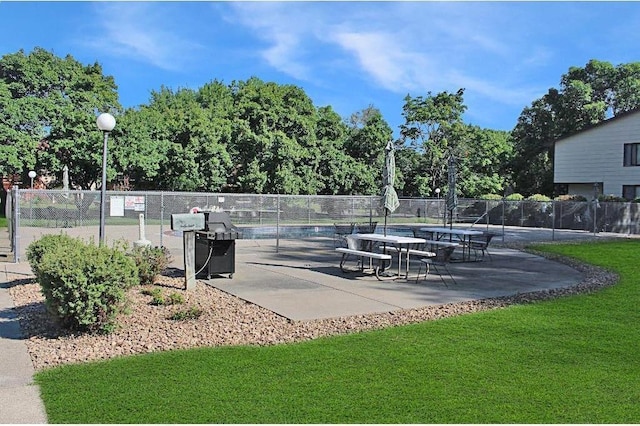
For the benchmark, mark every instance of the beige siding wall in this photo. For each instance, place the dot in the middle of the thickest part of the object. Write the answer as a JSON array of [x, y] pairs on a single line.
[[596, 155]]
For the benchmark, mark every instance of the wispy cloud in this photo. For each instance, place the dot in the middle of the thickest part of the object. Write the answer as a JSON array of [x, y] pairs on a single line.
[[286, 30], [400, 47], [384, 59], [136, 30]]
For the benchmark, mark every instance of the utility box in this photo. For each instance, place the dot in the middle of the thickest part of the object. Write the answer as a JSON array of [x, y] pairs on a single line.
[[187, 222]]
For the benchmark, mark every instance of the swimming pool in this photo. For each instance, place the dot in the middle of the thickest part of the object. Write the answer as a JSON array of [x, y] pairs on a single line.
[[307, 231], [300, 231]]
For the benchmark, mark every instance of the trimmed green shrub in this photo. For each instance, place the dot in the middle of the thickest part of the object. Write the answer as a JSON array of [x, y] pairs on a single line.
[[514, 197], [191, 313], [47, 244], [83, 284], [538, 197], [612, 198], [176, 299], [151, 261], [158, 299], [491, 197]]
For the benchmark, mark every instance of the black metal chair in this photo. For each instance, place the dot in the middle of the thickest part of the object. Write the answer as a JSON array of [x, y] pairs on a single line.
[[440, 260], [340, 234], [365, 228], [481, 244]]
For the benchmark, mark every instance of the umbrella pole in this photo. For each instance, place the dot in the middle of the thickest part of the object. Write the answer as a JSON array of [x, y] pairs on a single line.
[[385, 222]]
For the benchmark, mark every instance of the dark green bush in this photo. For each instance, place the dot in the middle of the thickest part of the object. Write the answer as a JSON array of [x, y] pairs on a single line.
[[514, 197], [151, 261], [612, 198], [493, 197], [538, 197], [158, 299], [83, 284], [47, 244], [191, 313]]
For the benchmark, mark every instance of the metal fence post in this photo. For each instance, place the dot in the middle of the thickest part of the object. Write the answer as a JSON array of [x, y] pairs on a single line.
[[553, 221], [16, 222], [277, 223], [370, 210], [353, 207], [503, 212], [161, 218]]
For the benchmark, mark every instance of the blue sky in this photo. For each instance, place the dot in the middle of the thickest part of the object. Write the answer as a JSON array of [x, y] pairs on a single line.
[[347, 55]]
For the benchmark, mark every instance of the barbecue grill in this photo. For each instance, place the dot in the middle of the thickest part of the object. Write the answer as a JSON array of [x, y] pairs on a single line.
[[216, 246]]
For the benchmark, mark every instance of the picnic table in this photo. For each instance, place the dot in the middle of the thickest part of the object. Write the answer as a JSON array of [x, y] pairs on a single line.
[[401, 245], [464, 236]]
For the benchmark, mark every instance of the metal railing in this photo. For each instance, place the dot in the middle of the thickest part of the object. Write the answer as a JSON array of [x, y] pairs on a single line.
[[77, 213]]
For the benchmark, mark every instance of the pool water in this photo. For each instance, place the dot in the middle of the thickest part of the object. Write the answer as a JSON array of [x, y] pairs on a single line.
[[300, 231], [307, 231]]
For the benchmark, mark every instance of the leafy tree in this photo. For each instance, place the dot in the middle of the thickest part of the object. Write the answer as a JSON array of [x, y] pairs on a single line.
[[410, 166], [483, 162], [139, 153], [339, 172], [368, 136], [586, 97], [275, 148], [434, 128], [48, 107], [186, 143]]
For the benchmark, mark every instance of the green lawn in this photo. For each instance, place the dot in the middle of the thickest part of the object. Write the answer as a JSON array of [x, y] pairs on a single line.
[[570, 360]]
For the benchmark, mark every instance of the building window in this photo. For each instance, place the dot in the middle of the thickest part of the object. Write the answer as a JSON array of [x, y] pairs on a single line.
[[631, 192], [631, 154]]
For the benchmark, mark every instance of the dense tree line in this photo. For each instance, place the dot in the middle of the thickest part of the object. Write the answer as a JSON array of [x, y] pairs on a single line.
[[261, 137]]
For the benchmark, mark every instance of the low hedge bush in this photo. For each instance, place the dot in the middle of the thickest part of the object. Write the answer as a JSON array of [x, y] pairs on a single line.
[[83, 284], [151, 261], [538, 197]]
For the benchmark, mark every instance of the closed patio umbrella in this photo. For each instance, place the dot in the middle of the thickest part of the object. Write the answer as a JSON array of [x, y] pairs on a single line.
[[65, 178], [389, 196], [452, 198]]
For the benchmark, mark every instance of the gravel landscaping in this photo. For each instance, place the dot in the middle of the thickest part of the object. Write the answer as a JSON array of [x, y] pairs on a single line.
[[225, 320]]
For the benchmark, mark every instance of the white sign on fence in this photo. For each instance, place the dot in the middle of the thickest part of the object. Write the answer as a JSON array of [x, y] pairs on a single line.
[[116, 206]]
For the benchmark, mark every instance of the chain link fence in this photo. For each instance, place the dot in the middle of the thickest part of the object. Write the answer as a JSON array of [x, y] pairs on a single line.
[[34, 213]]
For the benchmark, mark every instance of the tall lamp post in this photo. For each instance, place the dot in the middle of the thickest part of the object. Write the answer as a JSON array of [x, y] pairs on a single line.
[[32, 174], [106, 123], [444, 220]]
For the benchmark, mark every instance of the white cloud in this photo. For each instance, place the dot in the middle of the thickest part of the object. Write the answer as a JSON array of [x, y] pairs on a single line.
[[284, 27], [136, 30], [405, 46], [384, 59]]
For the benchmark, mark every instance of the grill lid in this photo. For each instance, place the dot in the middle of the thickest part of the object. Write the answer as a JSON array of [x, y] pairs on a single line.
[[217, 226]]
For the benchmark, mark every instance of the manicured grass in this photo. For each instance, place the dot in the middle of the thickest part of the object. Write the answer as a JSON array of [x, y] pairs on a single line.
[[570, 360], [3, 222]]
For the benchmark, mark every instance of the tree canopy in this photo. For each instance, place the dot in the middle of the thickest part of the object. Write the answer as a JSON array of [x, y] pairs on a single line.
[[48, 110], [262, 137]]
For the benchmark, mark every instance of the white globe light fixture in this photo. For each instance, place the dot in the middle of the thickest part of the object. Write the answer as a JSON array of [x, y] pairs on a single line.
[[32, 174], [106, 122], [438, 192]]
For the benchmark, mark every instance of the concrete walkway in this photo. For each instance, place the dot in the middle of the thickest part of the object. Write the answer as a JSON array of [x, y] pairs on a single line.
[[19, 397], [301, 281], [304, 282]]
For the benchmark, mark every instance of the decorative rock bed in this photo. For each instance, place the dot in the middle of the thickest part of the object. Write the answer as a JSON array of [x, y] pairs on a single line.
[[227, 320]]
